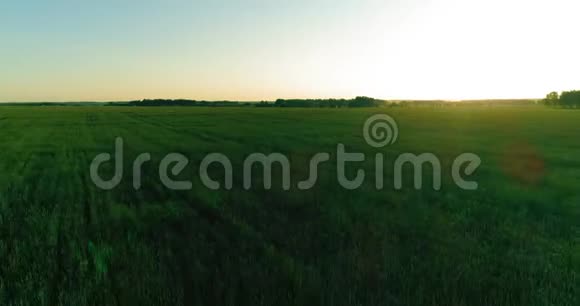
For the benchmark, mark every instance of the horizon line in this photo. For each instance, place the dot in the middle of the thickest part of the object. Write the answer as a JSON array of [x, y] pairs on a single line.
[[258, 101]]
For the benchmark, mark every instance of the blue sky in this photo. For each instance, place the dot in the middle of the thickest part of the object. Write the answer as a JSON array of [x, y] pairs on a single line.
[[259, 50]]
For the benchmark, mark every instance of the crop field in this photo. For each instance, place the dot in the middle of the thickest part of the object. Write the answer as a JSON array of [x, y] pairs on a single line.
[[64, 241]]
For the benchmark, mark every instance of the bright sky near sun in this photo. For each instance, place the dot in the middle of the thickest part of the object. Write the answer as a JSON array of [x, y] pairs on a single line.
[[261, 50]]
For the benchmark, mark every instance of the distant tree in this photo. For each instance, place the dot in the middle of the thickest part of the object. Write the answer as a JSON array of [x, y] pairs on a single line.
[[363, 102], [552, 99], [265, 104]]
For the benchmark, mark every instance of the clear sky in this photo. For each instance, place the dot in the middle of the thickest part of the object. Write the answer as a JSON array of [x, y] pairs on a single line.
[[261, 50]]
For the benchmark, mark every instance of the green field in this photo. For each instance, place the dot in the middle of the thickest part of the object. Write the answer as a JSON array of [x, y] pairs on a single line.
[[514, 241]]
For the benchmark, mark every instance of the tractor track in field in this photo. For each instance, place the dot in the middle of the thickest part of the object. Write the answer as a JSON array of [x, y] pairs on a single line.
[[90, 222], [55, 284]]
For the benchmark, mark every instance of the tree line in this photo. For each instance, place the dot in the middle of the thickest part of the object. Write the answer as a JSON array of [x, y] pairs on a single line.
[[334, 103], [567, 99], [180, 102]]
